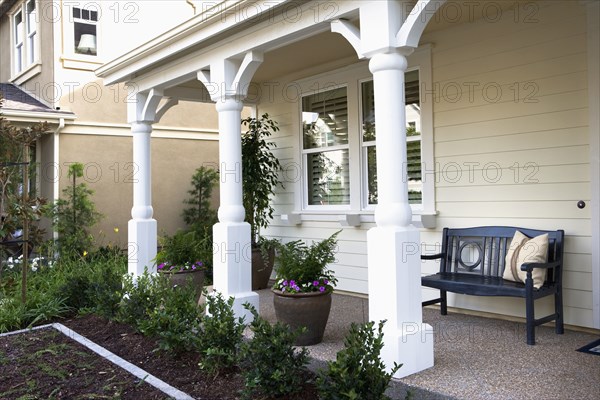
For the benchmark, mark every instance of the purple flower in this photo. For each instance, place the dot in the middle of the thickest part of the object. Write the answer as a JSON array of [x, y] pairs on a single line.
[[199, 263], [193, 267], [315, 283], [292, 283], [322, 289], [161, 265], [326, 282], [285, 283]]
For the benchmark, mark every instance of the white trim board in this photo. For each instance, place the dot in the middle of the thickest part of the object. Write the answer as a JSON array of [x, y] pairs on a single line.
[[593, 50]]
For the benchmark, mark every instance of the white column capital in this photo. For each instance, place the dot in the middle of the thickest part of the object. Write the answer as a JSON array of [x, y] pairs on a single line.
[[230, 103], [387, 61], [141, 127]]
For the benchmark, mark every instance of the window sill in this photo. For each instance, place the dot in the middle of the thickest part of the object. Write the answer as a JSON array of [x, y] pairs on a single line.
[[420, 219], [27, 74], [81, 62]]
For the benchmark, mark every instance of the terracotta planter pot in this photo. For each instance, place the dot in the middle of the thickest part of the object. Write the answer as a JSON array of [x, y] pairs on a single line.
[[310, 310], [181, 278], [261, 272]]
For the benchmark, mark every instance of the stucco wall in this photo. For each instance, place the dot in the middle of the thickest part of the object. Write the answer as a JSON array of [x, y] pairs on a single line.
[[109, 172], [520, 145]]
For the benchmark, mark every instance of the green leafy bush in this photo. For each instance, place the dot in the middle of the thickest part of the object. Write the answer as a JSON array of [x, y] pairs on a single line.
[[175, 321], [358, 372], [271, 366], [62, 288], [138, 298], [221, 335]]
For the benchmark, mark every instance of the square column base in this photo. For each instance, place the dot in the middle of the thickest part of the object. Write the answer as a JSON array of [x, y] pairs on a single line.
[[141, 246], [394, 260], [232, 265]]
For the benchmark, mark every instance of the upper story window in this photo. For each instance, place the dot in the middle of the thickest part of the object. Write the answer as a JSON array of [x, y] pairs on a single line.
[[85, 33], [25, 37]]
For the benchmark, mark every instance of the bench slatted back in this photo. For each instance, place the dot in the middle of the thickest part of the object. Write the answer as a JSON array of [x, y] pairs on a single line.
[[482, 250]]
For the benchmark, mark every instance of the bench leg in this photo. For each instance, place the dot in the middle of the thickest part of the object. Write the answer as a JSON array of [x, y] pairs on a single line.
[[530, 316], [443, 303], [558, 309]]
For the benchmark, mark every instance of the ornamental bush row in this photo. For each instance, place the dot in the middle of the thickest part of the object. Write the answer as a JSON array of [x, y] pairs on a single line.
[[269, 363]]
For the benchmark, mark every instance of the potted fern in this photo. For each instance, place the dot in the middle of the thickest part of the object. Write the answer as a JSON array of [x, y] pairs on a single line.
[[303, 287], [259, 180]]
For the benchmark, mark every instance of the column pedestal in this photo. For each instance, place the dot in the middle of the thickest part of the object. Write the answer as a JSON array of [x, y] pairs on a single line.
[[395, 294], [232, 263], [141, 247]]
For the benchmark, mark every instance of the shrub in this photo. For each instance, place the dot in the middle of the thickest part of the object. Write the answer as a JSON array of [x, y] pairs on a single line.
[[73, 215], [200, 215], [272, 367], [221, 335], [357, 372], [175, 321], [138, 298]]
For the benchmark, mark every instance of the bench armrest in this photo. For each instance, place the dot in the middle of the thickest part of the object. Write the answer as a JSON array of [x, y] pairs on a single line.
[[531, 266], [432, 256]]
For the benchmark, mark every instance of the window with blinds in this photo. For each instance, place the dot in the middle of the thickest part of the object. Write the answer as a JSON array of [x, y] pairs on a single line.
[[325, 147], [413, 138]]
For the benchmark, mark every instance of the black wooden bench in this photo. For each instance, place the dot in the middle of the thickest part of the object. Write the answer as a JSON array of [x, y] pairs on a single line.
[[472, 261]]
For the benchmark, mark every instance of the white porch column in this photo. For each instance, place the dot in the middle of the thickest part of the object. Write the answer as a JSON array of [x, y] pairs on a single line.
[[387, 33], [393, 246], [231, 235], [228, 81], [142, 228]]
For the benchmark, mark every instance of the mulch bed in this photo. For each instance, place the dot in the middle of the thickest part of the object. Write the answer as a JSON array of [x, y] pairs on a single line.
[[181, 371]]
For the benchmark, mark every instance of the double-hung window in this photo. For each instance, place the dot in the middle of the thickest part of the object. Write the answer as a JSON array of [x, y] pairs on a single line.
[[338, 146], [25, 37], [326, 148]]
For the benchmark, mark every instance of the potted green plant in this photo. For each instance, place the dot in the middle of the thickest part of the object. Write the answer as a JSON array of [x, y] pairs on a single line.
[[181, 258], [303, 287], [259, 180]]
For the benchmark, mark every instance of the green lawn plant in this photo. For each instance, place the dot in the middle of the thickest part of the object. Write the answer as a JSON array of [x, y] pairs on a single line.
[[272, 367], [358, 373], [221, 335]]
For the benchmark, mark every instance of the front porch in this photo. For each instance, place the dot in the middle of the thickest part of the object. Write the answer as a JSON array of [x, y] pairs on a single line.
[[475, 357]]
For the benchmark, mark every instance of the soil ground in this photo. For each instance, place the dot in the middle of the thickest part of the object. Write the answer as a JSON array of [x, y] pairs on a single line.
[[73, 372]]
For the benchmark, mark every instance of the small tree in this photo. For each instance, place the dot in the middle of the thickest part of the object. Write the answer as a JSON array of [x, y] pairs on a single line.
[[201, 215], [17, 209], [259, 172], [73, 215]]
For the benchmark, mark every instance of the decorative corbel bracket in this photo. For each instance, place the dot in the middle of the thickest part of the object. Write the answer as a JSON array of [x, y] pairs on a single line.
[[350, 32], [171, 102], [411, 30], [230, 78], [144, 109]]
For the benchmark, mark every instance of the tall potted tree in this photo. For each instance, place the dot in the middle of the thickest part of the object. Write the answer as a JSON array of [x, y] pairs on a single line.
[[259, 180]]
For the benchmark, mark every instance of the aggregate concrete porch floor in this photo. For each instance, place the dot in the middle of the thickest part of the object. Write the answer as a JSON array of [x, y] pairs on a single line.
[[476, 357]]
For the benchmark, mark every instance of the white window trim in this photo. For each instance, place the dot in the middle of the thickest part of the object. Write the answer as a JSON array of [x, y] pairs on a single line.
[[28, 70], [351, 77]]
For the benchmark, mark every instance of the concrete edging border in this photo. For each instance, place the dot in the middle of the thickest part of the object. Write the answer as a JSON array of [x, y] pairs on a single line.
[[101, 351]]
